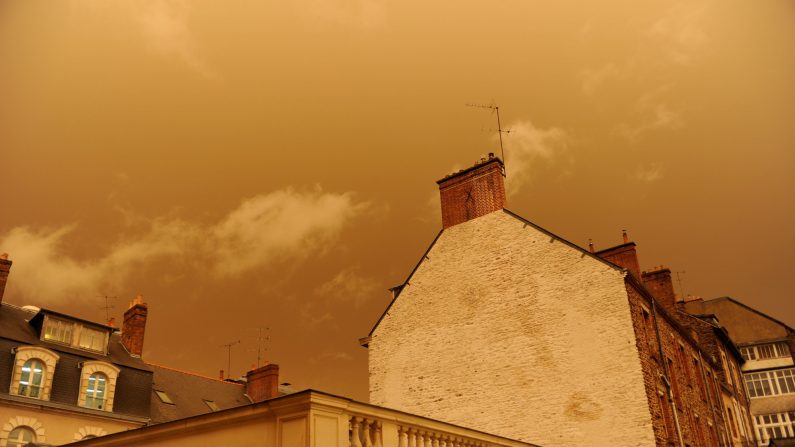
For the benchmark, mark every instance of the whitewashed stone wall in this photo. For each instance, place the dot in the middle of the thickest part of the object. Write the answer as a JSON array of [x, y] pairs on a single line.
[[509, 331]]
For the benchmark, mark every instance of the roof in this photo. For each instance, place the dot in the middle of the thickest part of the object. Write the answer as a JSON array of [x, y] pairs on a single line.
[[14, 325], [399, 288], [189, 393], [761, 314]]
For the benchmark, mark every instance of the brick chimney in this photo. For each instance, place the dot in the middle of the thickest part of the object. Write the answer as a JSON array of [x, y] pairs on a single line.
[[5, 269], [472, 192], [624, 255], [263, 383], [134, 326], [661, 285]]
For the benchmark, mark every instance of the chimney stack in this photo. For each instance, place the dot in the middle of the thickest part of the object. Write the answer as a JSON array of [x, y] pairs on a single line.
[[5, 269], [660, 284], [263, 383], [624, 255], [134, 326], [472, 192]]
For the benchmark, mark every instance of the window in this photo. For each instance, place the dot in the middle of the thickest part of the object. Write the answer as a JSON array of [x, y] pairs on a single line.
[[92, 339], [98, 385], [95, 392], [774, 426], [33, 372], [164, 397], [58, 330], [21, 436], [30, 380], [74, 334], [766, 351], [771, 383], [213, 406]]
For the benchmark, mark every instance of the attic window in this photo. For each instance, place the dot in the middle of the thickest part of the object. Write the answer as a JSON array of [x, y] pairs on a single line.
[[74, 334], [213, 406], [164, 397]]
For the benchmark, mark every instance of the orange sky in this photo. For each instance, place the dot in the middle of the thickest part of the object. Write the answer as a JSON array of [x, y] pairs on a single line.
[[246, 164]]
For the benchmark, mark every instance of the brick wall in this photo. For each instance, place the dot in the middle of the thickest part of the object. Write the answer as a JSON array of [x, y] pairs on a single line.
[[473, 192], [506, 329]]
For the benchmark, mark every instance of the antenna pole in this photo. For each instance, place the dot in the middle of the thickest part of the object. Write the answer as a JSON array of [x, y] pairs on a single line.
[[499, 132], [228, 347], [107, 305], [679, 280]]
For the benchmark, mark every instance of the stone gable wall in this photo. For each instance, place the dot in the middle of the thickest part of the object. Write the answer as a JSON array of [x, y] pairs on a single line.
[[507, 330]]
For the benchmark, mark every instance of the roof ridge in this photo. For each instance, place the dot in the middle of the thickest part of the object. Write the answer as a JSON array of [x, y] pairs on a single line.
[[752, 309], [191, 373]]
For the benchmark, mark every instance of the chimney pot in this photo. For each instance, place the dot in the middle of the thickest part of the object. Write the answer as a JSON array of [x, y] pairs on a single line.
[[5, 269], [263, 383], [221, 374], [590, 245], [624, 235], [112, 322], [472, 192], [134, 326]]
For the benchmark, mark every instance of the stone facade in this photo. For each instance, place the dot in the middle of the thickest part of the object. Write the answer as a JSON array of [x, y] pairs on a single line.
[[508, 329]]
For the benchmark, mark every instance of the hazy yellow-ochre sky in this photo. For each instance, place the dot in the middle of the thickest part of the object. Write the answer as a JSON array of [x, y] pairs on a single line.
[[248, 164]]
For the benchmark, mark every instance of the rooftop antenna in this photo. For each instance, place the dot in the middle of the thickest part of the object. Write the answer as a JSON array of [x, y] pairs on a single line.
[[107, 305], [495, 108], [679, 280], [228, 347], [263, 336]]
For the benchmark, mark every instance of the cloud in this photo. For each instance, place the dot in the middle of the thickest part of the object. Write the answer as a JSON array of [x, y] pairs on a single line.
[[280, 226], [648, 174], [365, 14], [593, 79], [680, 32], [527, 146], [654, 118], [164, 28], [348, 286]]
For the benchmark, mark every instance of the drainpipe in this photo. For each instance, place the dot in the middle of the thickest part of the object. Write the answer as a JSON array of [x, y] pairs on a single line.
[[667, 382]]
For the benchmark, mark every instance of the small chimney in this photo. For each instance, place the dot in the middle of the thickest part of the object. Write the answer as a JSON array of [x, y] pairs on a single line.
[[112, 322], [590, 245], [5, 269], [134, 326], [660, 284], [624, 235], [263, 383], [472, 192], [624, 255], [221, 374]]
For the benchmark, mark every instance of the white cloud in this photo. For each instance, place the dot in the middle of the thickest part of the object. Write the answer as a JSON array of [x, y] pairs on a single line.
[[348, 286], [365, 14], [526, 147], [164, 27], [653, 118], [282, 225], [680, 32], [649, 174]]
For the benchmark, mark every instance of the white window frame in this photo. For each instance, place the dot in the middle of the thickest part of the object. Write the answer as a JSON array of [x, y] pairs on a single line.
[[772, 378], [47, 357], [784, 421], [110, 371]]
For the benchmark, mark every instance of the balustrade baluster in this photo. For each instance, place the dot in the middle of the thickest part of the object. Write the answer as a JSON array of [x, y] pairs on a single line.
[[402, 437], [412, 437], [366, 433], [436, 438], [355, 439], [377, 435]]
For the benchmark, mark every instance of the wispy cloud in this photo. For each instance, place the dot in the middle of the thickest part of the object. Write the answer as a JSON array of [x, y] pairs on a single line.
[[348, 285], [164, 25], [657, 117], [527, 146], [364, 14], [680, 32], [649, 173], [285, 225]]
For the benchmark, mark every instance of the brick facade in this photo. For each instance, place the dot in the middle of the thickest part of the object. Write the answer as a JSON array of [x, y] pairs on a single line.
[[134, 326], [263, 383], [473, 192]]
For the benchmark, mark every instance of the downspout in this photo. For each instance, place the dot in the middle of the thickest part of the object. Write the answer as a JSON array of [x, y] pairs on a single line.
[[667, 374]]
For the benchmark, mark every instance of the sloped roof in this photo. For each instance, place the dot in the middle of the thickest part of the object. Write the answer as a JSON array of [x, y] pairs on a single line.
[[747, 307], [188, 392], [15, 325]]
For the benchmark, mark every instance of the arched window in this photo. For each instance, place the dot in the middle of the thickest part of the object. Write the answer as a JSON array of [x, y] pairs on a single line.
[[21, 436], [31, 378], [95, 392]]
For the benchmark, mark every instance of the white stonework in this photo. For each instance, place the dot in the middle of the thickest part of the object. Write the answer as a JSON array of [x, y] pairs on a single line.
[[506, 329]]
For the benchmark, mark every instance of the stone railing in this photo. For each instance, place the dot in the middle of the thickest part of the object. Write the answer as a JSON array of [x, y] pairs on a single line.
[[306, 419]]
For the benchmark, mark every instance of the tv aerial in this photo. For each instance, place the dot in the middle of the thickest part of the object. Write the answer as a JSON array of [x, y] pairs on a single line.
[[495, 109]]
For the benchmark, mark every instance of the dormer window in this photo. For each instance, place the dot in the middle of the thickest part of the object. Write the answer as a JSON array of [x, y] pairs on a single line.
[[74, 333]]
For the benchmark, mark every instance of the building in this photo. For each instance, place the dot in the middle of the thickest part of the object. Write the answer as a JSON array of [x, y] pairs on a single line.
[[63, 378], [769, 371], [307, 418], [506, 327]]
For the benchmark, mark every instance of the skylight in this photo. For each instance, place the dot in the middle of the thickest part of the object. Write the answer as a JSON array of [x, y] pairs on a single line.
[[164, 397]]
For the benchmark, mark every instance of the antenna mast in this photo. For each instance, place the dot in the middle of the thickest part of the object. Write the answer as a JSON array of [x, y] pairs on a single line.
[[495, 108], [107, 305], [263, 336], [228, 347], [679, 280]]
